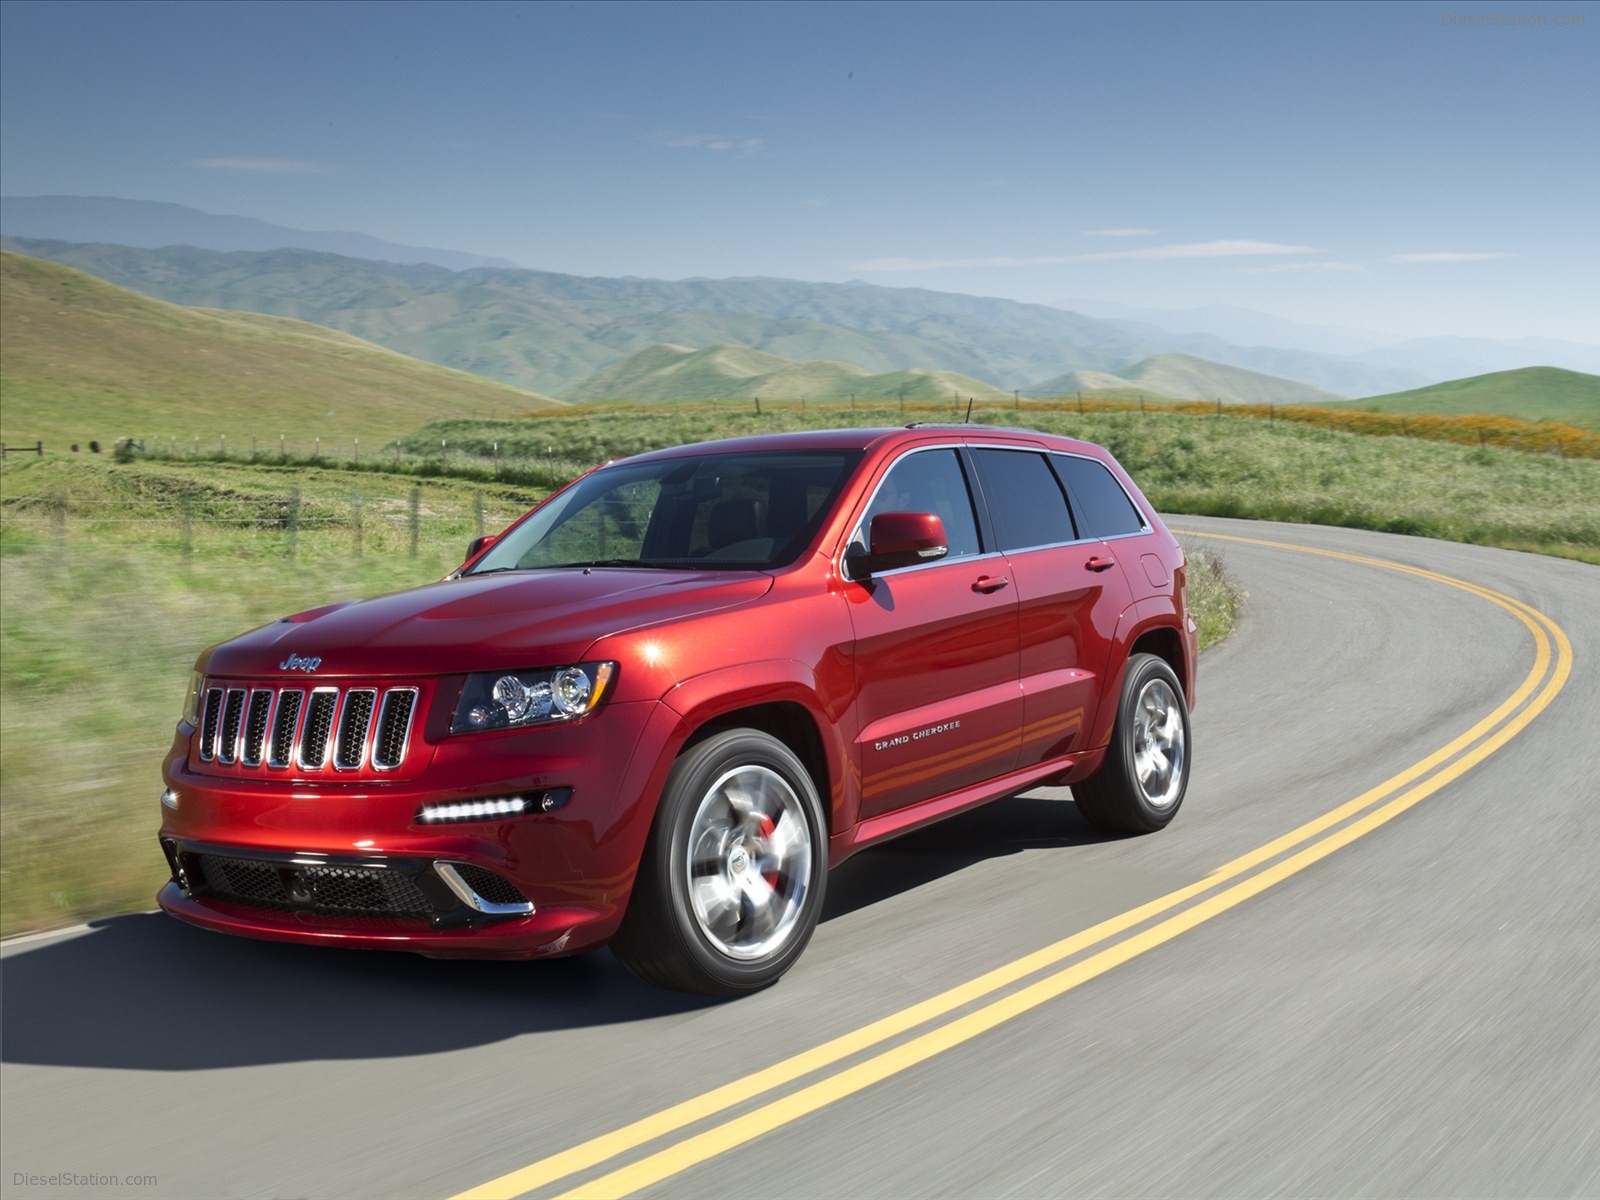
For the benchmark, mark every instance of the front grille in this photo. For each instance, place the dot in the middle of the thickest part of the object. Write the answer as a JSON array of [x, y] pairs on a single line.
[[325, 728], [352, 891]]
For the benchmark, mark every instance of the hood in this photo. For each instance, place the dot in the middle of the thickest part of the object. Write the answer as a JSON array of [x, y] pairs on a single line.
[[479, 623]]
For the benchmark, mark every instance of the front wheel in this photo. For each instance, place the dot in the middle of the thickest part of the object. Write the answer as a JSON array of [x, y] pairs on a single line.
[[732, 879], [1141, 783]]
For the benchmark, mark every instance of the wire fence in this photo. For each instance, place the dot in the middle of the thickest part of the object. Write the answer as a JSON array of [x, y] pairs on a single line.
[[285, 526]]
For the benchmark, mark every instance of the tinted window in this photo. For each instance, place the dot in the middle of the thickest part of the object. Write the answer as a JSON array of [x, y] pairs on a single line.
[[928, 481], [1098, 501], [1025, 499]]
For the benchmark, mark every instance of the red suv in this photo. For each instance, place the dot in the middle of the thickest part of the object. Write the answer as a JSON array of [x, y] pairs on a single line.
[[657, 709]]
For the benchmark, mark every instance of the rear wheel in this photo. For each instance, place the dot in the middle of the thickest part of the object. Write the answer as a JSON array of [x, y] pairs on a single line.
[[732, 879], [1141, 783]]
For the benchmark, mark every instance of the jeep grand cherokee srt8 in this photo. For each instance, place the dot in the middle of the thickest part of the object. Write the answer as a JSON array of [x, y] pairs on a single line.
[[657, 709]]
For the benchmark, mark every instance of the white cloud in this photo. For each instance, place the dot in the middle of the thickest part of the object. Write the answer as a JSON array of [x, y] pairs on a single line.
[[1218, 249], [261, 166], [1306, 268], [1452, 257], [1120, 232], [712, 141]]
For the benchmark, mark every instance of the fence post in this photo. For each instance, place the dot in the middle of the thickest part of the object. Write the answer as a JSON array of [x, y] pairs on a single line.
[[222, 445], [283, 451], [294, 523], [358, 451], [1219, 406], [497, 460], [58, 519], [416, 518]]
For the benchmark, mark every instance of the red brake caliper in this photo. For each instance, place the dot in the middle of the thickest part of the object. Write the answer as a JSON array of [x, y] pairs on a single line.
[[765, 826]]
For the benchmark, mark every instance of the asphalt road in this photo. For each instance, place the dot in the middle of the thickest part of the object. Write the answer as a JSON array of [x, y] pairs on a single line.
[[1404, 1000]]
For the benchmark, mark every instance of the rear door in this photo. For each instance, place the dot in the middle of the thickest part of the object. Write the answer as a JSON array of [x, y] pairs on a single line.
[[936, 649], [1070, 594]]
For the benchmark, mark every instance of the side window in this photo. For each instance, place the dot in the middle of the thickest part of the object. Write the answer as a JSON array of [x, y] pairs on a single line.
[[1025, 499], [1099, 503], [928, 481]]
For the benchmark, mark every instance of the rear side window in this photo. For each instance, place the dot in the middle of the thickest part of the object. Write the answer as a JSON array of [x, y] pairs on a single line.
[[1100, 505], [1025, 499]]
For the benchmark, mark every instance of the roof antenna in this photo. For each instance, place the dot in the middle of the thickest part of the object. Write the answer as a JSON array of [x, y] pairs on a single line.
[[968, 421]]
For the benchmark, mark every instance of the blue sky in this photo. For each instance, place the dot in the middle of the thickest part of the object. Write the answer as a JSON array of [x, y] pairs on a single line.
[[1414, 169]]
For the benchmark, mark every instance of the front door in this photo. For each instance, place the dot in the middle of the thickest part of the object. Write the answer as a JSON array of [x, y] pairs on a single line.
[[936, 650]]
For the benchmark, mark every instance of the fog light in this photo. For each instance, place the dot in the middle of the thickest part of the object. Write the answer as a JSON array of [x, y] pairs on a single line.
[[169, 798], [493, 808]]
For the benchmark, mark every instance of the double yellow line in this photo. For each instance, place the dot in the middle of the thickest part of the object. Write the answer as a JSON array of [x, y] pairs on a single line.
[[1067, 962]]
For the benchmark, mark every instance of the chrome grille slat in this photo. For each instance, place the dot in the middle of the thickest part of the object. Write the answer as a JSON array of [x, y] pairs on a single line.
[[328, 728], [232, 721], [281, 753], [316, 732], [394, 728], [256, 719], [209, 723], [355, 720]]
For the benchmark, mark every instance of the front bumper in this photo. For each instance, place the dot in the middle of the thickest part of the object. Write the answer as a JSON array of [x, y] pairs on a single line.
[[351, 864]]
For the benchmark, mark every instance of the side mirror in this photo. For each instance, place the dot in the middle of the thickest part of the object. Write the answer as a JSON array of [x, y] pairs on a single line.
[[899, 539], [479, 544]]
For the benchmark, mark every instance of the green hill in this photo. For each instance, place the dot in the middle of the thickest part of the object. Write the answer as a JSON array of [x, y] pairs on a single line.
[[669, 372], [1185, 377], [1529, 394], [82, 360]]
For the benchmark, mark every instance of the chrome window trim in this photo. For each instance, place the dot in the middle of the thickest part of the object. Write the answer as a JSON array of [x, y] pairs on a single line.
[[1144, 518]]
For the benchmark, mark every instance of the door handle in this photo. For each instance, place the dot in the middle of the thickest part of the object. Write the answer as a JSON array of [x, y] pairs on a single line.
[[1101, 564], [990, 583]]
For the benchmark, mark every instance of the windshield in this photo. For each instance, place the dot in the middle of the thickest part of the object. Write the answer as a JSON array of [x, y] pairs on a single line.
[[753, 510]]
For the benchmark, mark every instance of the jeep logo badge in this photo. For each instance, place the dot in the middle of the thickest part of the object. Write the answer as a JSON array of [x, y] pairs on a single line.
[[295, 663]]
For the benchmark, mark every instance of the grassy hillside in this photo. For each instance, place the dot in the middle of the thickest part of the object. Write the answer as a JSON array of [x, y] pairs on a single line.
[[1530, 394], [677, 373], [82, 360], [1185, 377]]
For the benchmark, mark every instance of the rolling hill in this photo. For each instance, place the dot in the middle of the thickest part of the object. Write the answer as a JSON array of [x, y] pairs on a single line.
[[669, 372], [83, 360], [550, 332], [1185, 377], [1530, 394]]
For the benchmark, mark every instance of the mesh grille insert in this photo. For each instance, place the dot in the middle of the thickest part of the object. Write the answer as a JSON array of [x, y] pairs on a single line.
[[493, 888], [356, 891]]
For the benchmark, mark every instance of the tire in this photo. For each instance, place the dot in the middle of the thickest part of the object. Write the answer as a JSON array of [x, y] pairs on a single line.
[[1141, 783], [732, 879]]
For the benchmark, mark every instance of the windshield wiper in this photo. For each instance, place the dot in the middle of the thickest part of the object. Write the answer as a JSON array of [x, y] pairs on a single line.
[[601, 562]]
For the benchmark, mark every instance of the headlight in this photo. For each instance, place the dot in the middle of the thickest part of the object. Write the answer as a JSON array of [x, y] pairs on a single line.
[[191, 705], [503, 699]]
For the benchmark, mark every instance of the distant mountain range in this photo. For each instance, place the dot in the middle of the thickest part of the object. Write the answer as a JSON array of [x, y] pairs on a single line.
[[550, 332], [150, 223]]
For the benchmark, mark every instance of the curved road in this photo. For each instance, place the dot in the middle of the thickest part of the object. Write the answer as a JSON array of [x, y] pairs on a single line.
[[1364, 960]]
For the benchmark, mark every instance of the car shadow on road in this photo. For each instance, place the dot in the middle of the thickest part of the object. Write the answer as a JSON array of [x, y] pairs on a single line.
[[145, 992], [1040, 821]]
